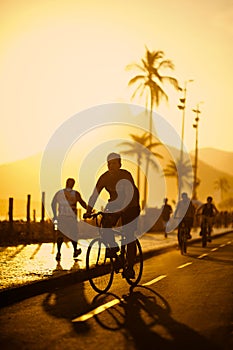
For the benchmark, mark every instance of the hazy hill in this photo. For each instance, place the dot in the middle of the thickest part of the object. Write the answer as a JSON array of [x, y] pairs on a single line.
[[208, 175], [219, 159], [20, 178]]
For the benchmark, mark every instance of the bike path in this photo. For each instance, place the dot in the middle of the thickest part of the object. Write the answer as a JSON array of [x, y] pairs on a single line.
[[27, 270]]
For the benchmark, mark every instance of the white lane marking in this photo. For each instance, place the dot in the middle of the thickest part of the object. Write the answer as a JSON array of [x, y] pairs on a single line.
[[106, 306], [222, 245], [229, 242], [184, 265], [214, 249], [202, 256], [96, 311], [159, 278]]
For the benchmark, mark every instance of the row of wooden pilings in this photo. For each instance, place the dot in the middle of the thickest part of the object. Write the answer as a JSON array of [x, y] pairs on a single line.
[[28, 209]]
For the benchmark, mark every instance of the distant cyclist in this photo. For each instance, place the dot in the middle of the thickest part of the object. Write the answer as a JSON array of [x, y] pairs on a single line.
[[208, 211], [185, 211], [123, 204]]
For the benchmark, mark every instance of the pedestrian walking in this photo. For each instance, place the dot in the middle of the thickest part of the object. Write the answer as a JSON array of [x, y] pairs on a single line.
[[65, 214], [166, 213]]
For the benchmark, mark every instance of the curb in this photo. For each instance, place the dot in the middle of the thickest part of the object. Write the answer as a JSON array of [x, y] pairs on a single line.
[[22, 292]]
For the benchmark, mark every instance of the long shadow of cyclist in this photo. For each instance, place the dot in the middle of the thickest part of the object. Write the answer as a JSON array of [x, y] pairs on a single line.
[[144, 319]]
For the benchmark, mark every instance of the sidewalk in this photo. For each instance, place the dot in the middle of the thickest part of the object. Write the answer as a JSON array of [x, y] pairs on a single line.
[[34, 266]]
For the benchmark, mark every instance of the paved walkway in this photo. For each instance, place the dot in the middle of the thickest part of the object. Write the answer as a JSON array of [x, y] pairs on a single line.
[[26, 264]]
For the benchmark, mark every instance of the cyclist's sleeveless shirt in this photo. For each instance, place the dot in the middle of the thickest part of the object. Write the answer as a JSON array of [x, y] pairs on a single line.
[[67, 200], [208, 210]]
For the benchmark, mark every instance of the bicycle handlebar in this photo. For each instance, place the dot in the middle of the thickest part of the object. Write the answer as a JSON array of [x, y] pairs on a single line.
[[92, 216]]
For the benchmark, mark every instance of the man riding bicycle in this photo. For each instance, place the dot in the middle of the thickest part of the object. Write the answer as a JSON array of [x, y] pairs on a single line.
[[185, 211], [208, 211], [123, 204]]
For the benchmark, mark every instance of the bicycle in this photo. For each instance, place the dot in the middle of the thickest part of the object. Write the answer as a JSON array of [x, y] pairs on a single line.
[[101, 266], [205, 231]]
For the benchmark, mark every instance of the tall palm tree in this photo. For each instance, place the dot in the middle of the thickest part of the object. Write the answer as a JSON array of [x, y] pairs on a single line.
[[150, 82], [182, 170], [222, 185], [140, 147]]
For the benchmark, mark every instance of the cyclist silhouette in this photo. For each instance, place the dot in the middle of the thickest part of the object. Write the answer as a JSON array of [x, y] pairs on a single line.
[[208, 211], [185, 211], [123, 203]]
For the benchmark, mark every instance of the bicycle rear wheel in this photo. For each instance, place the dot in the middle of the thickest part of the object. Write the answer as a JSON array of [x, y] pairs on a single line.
[[99, 268], [138, 265], [183, 243], [204, 238]]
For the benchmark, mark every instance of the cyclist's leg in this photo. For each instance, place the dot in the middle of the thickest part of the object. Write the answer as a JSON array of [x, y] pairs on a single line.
[[131, 254], [179, 235], [130, 223], [110, 220], [189, 224], [210, 225], [60, 240]]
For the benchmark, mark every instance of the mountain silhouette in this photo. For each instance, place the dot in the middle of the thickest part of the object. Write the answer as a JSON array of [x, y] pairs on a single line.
[[22, 177]]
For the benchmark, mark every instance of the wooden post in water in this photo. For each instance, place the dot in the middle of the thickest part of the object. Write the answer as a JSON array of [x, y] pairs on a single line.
[[11, 209], [28, 207], [42, 207]]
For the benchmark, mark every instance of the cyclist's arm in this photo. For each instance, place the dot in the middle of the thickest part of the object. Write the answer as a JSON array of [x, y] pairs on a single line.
[[80, 200], [215, 210], [95, 194], [199, 210], [54, 206]]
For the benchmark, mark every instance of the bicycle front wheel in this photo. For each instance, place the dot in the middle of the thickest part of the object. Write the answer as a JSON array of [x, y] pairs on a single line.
[[204, 238], [182, 239], [99, 268], [138, 265]]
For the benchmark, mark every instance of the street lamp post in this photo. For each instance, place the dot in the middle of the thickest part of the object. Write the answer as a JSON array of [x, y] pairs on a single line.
[[196, 181], [182, 107]]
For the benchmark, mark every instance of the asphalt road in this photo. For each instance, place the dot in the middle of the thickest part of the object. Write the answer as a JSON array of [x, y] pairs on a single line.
[[183, 302]]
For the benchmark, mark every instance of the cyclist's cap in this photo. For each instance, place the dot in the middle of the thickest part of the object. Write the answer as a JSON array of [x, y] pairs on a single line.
[[113, 156]]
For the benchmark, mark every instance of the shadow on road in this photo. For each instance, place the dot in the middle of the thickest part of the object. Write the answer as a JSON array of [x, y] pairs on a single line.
[[145, 318]]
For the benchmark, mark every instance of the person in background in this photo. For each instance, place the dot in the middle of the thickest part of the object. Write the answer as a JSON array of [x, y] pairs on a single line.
[[208, 211], [166, 213], [185, 211], [65, 213]]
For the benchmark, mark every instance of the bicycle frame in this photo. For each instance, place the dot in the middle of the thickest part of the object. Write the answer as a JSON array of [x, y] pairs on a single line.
[[182, 237], [110, 264]]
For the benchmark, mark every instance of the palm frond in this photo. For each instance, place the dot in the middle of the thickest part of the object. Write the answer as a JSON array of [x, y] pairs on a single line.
[[135, 79]]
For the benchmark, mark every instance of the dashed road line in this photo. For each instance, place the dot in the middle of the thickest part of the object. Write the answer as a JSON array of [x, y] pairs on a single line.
[[111, 303], [159, 278], [97, 311], [184, 265], [202, 256], [214, 249]]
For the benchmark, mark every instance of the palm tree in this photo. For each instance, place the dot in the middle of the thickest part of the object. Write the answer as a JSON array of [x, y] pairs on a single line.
[[151, 82], [222, 185], [182, 170], [140, 148]]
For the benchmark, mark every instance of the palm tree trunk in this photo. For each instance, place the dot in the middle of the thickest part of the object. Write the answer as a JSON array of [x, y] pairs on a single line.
[[148, 157]]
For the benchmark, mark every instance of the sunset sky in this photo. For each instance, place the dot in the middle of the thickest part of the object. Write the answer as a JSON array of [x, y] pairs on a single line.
[[59, 57]]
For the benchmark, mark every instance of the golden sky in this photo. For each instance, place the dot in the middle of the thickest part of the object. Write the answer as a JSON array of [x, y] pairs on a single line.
[[60, 57]]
